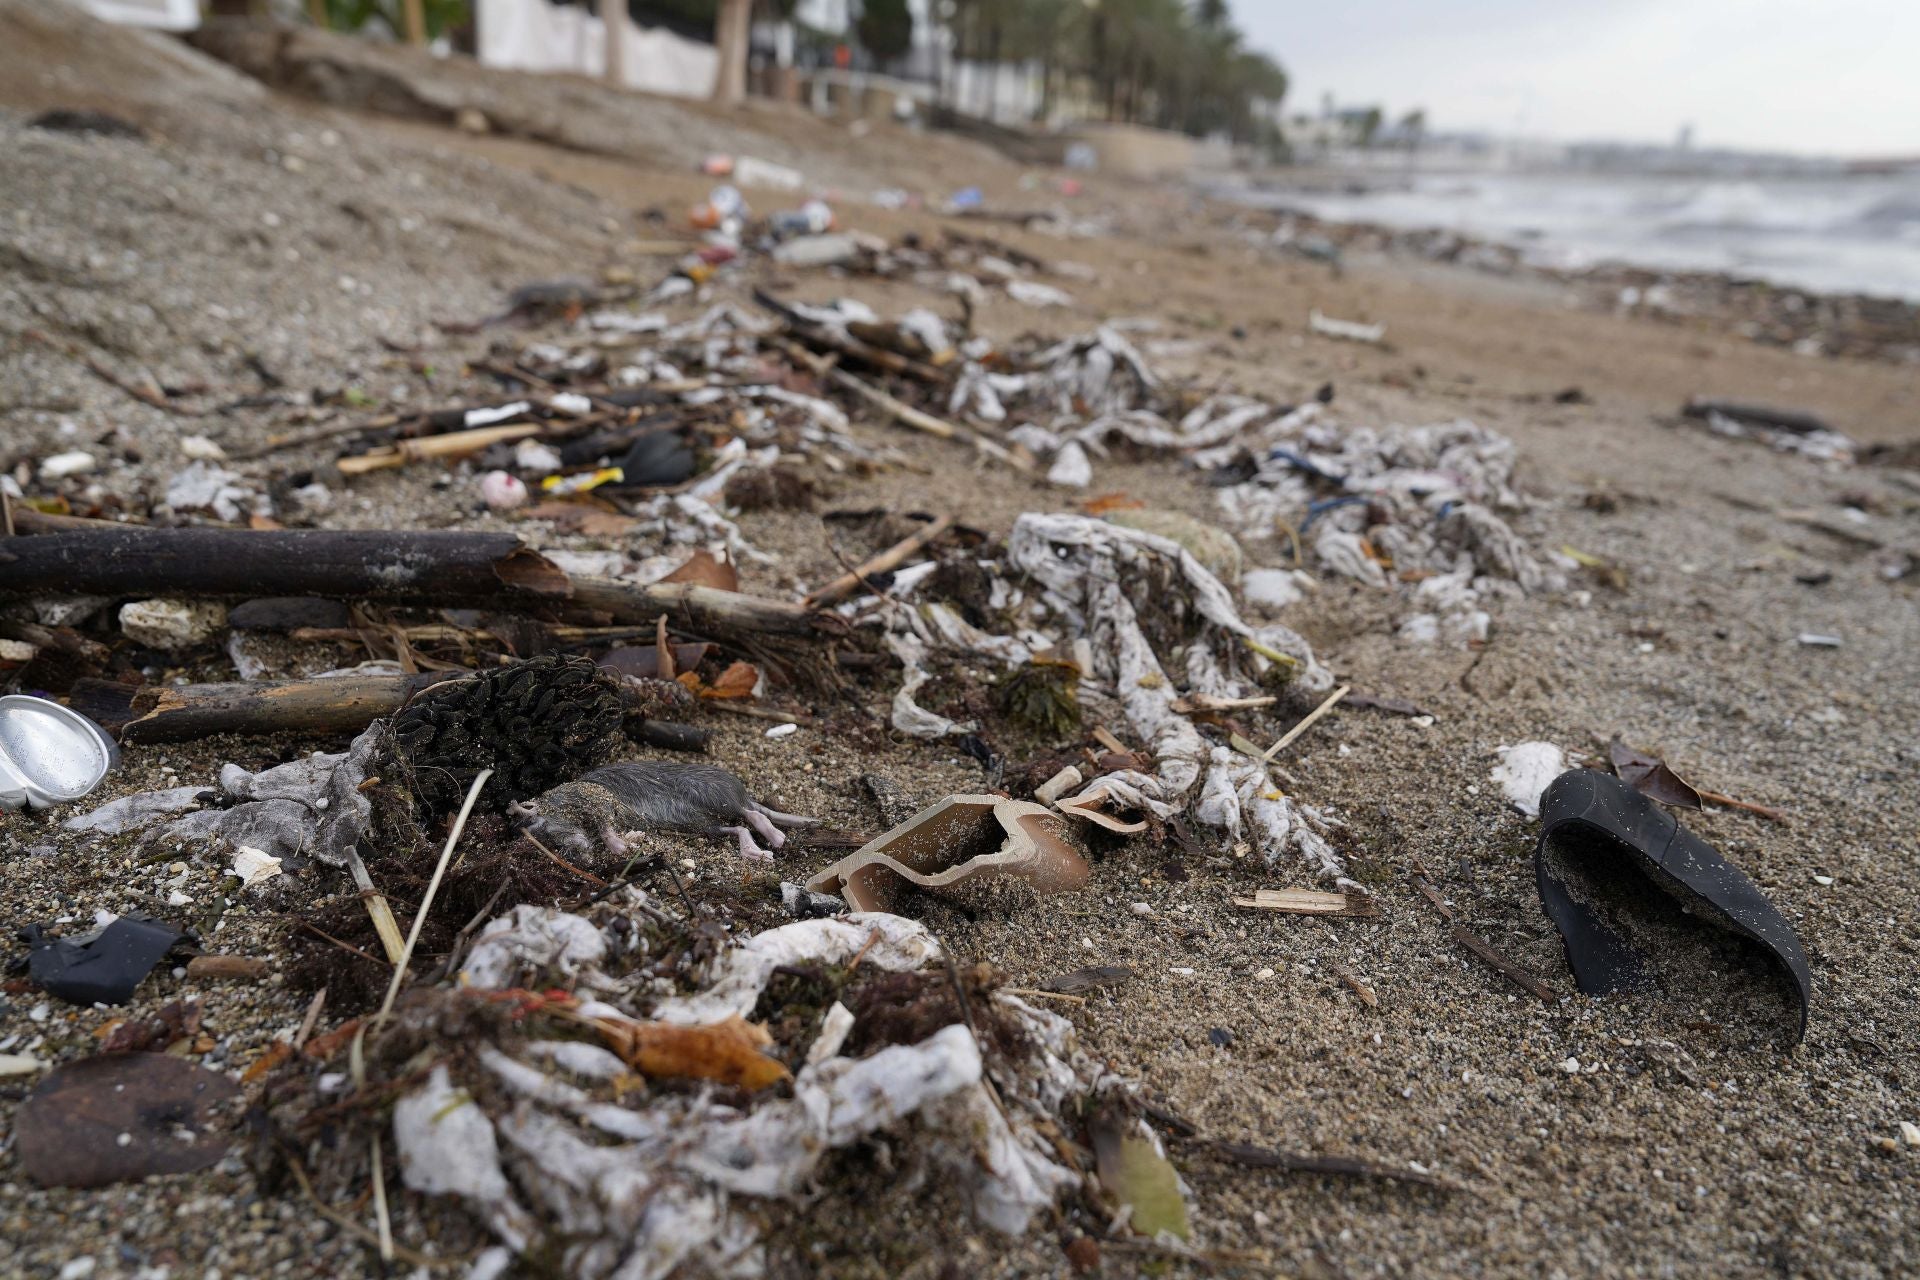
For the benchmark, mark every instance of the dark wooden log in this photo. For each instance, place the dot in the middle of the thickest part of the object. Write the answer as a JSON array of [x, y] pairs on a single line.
[[1795, 421], [669, 736], [440, 567], [696, 607], [334, 705]]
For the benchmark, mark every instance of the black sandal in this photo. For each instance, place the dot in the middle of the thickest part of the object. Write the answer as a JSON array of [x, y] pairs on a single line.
[[1586, 816]]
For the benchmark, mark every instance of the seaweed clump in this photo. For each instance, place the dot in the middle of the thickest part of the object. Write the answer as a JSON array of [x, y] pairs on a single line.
[[1043, 697], [536, 724]]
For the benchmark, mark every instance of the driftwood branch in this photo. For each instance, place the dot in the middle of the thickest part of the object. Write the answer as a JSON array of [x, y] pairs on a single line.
[[400, 567], [887, 560], [124, 560], [905, 414], [334, 705]]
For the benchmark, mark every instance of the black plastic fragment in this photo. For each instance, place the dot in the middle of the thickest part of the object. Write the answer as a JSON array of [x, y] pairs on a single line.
[[657, 459], [1599, 826], [106, 968]]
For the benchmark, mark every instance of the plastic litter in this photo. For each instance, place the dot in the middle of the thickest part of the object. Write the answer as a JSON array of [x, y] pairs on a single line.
[[502, 491], [1525, 771], [1596, 831], [599, 1182], [1347, 330], [829, 250], [49, 755], [102, 966], [955, 849]]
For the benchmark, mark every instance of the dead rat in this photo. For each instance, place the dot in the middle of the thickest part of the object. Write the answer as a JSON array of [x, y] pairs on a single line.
[[652, 795]]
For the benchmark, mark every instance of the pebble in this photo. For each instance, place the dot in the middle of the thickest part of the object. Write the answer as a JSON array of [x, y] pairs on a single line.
[[1910, 1133], [61, 465], [1571, 1066], [783, 730]]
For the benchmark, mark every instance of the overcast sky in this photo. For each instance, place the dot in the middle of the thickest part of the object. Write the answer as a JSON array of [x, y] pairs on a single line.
[[1823, 76]]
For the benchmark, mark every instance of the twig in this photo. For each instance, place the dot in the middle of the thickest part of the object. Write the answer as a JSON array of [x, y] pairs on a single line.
[[312, 1019], [1435, 897], [154, 399], [891, 558], [433, 887], [383, 922], [317, 931], [1358, 985], [588, 876], [902, 412], [1253, 1157], [338, 1219], [452, 444], [357, 1055], [1308, 902], [331, 431], [1308, 721], [1031, 993], [1509, 969], [757, 713], [867, 946], [1714, 797]]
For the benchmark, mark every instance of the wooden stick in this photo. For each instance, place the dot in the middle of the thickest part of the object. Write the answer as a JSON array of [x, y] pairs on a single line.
[[848, 345], [337, 704], [905, 414], [1029, 993], [1204, 703], [844, 585], [451, 445], [698, 608], [1509, 969], [1307, 722], [1307, 902], [331, 431], [1714, 797], [377, 909], [398, 565]]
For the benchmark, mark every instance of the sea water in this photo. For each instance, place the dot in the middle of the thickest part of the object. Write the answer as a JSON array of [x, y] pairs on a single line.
[[1834, 233]]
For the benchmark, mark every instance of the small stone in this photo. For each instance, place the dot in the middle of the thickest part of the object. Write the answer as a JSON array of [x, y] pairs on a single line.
[[783, 730], [62, 465], [171, 625], [1823, 881], [1910, 1133], [1571, 1066]]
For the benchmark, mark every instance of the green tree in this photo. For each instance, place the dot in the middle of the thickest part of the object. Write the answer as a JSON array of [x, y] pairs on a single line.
[[885, 29]]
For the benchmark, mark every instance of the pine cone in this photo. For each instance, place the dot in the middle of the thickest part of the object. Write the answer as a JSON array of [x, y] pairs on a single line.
[[536, 724]]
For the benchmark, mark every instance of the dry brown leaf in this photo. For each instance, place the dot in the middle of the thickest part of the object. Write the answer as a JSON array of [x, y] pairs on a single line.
[[1100, 504], [277, 1052], [1650, 776], [728, 1052], [587, 518], [737, 681], [703, 569]]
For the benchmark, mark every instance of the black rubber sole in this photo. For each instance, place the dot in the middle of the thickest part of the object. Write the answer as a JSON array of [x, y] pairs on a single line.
[[1586, 816]]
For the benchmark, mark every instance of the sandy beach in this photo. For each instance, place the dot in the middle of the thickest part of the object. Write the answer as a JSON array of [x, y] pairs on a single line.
[[298, 262]]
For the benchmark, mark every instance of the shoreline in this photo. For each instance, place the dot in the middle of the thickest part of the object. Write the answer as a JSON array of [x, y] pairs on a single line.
[[1810, 321]]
